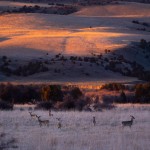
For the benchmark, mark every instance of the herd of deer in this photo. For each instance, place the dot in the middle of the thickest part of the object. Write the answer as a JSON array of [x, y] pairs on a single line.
[[59, 125], [45, 122]]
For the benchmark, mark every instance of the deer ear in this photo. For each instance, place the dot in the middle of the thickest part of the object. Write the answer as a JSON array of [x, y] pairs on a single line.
[[132, 117]]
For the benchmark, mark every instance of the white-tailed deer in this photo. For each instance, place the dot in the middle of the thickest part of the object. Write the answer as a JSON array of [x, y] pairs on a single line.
[[42, 122], [59, 125], [32, 115], [94, 121], [128, 123]]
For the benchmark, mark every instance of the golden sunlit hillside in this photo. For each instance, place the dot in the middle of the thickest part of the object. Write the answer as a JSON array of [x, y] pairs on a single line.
[[91, 30]]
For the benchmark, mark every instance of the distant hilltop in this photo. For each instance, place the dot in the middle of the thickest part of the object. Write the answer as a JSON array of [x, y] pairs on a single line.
[[82, 2]]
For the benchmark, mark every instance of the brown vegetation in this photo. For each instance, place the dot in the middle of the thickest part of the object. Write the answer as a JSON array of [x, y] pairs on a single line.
[[59, 9], [66, 97]]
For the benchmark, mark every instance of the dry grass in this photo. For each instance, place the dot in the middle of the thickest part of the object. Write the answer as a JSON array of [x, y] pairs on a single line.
[[77, 130]]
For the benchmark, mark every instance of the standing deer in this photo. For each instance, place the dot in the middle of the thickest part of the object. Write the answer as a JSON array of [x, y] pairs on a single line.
[[94, 121], [42, 122], [32, 115], [50, 114], [128, 123], [59, 125]]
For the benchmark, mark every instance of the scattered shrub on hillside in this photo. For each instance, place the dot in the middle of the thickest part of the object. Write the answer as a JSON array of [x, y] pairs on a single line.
[[60, 9], [6, 70], [135, 21], [145, 75], [4, 58], [143, 43], [30, 69]]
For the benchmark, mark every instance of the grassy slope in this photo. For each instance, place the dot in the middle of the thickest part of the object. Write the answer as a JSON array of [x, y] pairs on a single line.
[[33, 35], [123, 9], [36, 34]]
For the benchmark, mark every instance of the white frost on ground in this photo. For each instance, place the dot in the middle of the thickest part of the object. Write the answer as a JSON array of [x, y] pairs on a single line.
[[78, 132]]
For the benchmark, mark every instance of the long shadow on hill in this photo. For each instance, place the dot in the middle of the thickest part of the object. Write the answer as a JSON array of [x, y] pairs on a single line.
[[2, 39], [24, 52], [132, 60]]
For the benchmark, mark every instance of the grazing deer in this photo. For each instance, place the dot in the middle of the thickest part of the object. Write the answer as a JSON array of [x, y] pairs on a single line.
[[128, 123], [94, 121], [42, 122], [32, 115], [59, 125]]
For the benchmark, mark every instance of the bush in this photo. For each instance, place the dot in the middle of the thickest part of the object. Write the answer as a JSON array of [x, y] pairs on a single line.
[[5, 106], [30, 69], [4, 58], [135, 21], [113, 86], [68, 102], [52, 92], [143, 43], [145, 76], [19, 93], [80, 104], [107, 102], [44, 105], [76, 93], [123, 97], [142, 92]]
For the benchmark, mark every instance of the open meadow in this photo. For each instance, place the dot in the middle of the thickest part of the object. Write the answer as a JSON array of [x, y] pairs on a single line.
[[19, 130]]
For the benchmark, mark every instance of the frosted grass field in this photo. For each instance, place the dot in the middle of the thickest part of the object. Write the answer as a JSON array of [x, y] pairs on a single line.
[[78, 132]]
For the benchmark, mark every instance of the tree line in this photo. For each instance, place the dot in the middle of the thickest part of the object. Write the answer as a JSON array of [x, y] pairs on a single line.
[[71, 97]]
